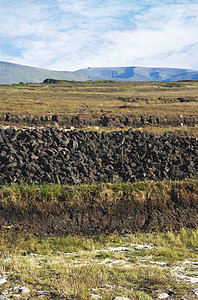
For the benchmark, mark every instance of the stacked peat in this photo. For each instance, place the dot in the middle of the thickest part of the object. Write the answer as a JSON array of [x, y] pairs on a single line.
[[58, 156]]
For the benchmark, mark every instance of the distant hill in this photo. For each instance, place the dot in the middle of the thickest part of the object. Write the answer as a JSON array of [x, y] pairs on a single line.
[[14, 73], [139, 74]]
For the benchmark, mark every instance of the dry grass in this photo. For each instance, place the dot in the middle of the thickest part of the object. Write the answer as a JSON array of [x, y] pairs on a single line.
[[68, 268], [171, 102], [158, 130], [65, 97]]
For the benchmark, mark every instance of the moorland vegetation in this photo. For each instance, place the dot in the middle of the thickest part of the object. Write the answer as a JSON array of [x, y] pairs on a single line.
[[132, 239], [156, 107]]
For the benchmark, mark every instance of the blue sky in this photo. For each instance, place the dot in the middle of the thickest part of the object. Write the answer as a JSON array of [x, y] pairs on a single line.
[[75, 34]]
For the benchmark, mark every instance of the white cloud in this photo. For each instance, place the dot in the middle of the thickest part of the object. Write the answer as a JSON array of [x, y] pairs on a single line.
[[96, 9], [165, 35], [68, 35]]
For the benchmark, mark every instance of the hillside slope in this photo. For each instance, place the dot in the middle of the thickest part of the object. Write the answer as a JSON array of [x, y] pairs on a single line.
[[14, 73]]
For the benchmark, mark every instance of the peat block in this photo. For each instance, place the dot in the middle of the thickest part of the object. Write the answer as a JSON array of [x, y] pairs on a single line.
[[54, 155]]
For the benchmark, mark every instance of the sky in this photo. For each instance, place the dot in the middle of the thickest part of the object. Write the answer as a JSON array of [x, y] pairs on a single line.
[[74, 34]]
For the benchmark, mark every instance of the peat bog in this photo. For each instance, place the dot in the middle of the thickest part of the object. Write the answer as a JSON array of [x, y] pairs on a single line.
[[120, 220]]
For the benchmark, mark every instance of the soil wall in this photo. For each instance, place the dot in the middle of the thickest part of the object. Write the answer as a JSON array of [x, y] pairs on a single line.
[[81, 120], [100, 209]]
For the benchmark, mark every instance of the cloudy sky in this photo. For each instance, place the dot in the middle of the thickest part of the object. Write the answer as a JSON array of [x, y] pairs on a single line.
[[75, 34]]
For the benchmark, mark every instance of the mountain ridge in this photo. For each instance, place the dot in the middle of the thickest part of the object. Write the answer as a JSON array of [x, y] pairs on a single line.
[[14, 73]]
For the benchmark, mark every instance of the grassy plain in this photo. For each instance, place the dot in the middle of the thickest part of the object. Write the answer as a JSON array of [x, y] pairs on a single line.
[[96, 96], [159, 99]]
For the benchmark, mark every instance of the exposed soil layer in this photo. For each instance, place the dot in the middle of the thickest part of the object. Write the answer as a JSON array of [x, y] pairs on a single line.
[[82, 120], [100, 209], [51, 155]]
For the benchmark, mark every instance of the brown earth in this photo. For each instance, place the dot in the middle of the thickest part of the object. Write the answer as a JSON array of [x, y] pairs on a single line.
[[160, 207], [82, 120]]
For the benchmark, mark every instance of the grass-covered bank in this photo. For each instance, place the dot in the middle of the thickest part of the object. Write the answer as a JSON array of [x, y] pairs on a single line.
[[138, 266], [100, 208]]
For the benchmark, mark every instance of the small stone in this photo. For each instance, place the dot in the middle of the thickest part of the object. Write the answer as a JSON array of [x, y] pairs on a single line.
[[3, 298], [16, 296], [120, 298], [2, 280], [195, 291], [170, 292], [95, 297], [108, 286], [23, 290], [39, 293], [163, 296], [5, 292]]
